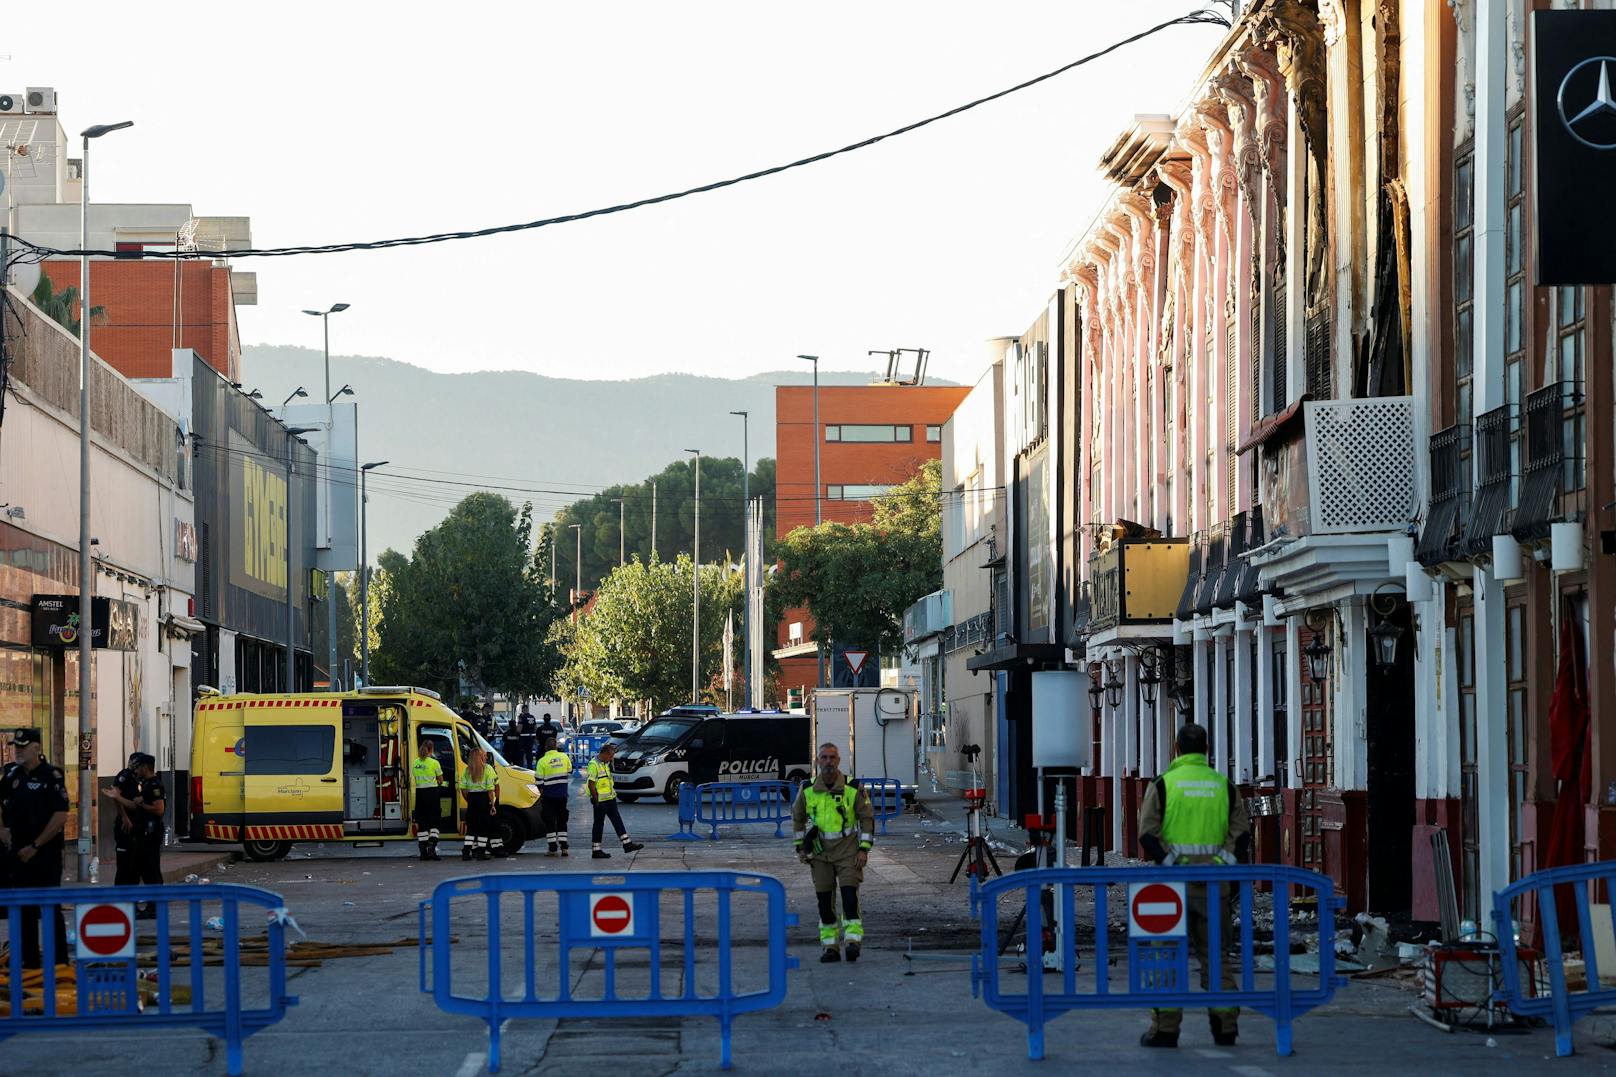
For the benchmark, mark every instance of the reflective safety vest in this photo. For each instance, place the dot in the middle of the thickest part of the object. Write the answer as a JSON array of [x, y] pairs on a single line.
[[485, 784], [554, 773], [1195, 808], [601, 774], [835, 816], [427, 772]]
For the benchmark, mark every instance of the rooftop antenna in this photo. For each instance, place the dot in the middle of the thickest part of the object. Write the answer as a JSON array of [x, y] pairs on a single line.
[[895, 362]]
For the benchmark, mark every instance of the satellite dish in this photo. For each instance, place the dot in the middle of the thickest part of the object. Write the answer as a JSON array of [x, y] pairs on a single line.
[[24, 277]]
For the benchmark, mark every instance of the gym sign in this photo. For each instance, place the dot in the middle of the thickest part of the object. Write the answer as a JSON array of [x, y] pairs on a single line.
[[1574, 59]]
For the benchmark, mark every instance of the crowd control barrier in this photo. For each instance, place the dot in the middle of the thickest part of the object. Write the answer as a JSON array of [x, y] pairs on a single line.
[[1549, 997], [585, 746], [113, 977], [886, 797], [733, 804], [618, 915], [1159, 902]]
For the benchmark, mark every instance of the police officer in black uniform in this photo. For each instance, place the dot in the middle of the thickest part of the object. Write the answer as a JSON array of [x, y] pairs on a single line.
[[33, 814], [125, 789], [143, 810]]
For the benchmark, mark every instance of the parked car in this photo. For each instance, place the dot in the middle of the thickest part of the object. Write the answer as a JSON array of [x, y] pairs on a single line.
[[615, 727]]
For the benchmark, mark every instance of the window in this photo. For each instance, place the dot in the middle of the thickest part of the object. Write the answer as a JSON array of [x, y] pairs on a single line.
[[1515, 676], [1470, 844], [934, 434], [1515, 302], [1569, 359], [1463, 275], [954, 512], [855, 492], [289, 749], [867, 433]]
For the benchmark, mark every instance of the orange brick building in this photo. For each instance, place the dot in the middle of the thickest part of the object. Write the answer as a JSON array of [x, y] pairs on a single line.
[[871, 438]]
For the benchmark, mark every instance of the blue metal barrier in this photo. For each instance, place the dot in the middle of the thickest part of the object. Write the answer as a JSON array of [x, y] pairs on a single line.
[[614, 914], [886, 797], [114, 985], [585, 746], [1158, 961], [735, 803], [1561, 1006], [687, 814]]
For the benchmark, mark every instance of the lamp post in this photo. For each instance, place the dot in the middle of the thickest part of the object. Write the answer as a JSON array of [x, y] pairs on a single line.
[[86, 568], [364, 571], [695, 588], [622, 547], [577, 568], [299, 391], [819, 513], [325, 317], [746, 516], [292, 434]]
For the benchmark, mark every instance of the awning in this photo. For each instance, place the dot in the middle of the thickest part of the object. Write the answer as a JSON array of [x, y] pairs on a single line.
[[180, 625], [1017, 655], [1267, 427]]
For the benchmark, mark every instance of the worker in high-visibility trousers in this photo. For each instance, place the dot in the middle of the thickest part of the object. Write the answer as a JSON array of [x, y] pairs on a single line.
[[426, 773], [832, 829], [603, 797], [1193, 814], [555, 781]]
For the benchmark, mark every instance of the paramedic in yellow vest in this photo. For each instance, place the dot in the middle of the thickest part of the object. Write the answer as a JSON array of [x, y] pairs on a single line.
[[832, 829], [603, 795], [426, 774], [555, 781], [1192, 814]]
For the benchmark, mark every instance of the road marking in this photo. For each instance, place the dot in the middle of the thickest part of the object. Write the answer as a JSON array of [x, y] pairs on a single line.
[[472, 1066], [1250, 1071]]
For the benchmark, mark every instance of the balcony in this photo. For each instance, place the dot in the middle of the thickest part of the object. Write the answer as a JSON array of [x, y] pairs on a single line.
[[1138, 582], [1234, 560], [1248, 588], [927, 617], [1212, 565], [1360, 463], [1194, 570], [1491, 503], [1544, 470], [1444, 524]]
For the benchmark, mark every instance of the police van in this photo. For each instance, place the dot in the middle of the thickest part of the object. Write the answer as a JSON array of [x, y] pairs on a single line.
[[699, 744], [271, 770]]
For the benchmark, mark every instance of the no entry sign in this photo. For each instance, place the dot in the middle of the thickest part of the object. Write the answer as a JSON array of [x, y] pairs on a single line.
[[105, 931], [1156, 909], [611, 915]]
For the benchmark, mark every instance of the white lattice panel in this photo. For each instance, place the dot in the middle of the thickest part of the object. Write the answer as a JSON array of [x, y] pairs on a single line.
[[1360, 463]]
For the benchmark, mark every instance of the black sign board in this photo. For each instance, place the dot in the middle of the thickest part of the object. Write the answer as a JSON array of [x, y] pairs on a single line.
[[56, 623], [1574, 58]]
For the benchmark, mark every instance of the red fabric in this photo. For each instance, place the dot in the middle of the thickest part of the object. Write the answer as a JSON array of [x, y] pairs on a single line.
[[1569, 726]]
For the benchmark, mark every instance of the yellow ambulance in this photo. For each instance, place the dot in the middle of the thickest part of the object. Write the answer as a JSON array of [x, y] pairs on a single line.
[[271, 770]]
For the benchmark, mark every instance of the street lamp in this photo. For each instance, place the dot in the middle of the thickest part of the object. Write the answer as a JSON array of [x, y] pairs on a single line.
[[1318, 650], [746, 516], [1385, 634], [325, 317], [86, 569], [256, 394], [1149, 676], [1096, 692], [819, 513], [299, 391], [622, 546], [364, 571], [292, 434], [346, 390], [577, 567], [695, 588]]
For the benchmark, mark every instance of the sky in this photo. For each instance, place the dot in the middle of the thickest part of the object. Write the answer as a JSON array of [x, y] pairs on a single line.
[[357, 121]]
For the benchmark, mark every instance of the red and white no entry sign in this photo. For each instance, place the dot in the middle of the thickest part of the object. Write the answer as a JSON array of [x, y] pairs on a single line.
[[1156, 909], [611, 914], [105, 931]]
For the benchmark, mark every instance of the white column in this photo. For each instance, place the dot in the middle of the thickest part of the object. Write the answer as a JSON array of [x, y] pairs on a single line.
[[1240, 758], [1293, 701], [1167, 731], [1113, 719], [1351, 714], [1148, 721], [1430, 689], [1262, 682], [1492, 753], [1203, 689], [1220, 695], [1130, 715]]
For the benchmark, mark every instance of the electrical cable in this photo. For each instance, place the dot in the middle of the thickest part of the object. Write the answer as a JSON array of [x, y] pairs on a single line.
[[1199, 17]]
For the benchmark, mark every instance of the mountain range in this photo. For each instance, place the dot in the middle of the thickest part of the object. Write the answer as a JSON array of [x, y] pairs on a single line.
[[534, 438]]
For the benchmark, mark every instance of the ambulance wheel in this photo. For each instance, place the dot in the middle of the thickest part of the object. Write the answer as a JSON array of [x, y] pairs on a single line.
[[671, 792], [265, 851], [628, 798], [512, 832]]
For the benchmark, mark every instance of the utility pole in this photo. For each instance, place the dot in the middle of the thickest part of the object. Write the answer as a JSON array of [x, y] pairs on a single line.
[[746, 559], [695, 592], [292, 434], [622, 547], [819, 491], [364, 569], [577, 568], [653, 519], [331, 426]]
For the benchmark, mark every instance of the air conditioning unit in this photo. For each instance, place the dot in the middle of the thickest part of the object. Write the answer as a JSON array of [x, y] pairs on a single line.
[[40, 99], [10, 104]]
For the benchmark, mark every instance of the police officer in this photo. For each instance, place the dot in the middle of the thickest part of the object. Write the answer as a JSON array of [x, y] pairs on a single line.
[[1194, 815], [125, 790], [555, 779], [143, 813], [832, 829], [548, 730], [33, 814], [526, 730], [426, 774], [603, 795]]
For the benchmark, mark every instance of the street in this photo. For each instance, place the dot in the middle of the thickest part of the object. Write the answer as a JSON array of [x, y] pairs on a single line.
[[885, 1015]]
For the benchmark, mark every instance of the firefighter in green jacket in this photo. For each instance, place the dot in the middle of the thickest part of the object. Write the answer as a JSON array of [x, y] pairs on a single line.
[[832, 829], [1193, 814]]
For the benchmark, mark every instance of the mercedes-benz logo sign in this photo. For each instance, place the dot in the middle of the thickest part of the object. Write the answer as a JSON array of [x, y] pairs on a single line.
[[1587, 107]]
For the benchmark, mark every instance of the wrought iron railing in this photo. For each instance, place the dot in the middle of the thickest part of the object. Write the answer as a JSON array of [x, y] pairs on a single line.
[[1448, 513], [1544, 470], [1494, 469]]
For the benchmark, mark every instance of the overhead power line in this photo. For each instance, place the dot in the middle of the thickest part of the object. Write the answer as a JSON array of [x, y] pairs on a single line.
[[1199, 17]]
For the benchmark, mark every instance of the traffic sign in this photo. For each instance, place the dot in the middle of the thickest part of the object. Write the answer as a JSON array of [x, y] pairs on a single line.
[[1156, 909], [611, 915], [105, 931], [855, 661]]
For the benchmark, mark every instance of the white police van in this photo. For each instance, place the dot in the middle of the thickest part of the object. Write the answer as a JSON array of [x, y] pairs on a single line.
[[700, 744]]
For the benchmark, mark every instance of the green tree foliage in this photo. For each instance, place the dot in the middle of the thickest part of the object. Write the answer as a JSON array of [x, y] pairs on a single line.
[[470, 602], [62, 307], [347, 626], [723, 518], [635, 642], [857, 580]]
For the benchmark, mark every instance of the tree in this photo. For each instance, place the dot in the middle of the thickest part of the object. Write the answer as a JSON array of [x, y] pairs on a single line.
[[858, 579], [470, 604], [347, 628], [723, 517], [62, 307], [635, 641]]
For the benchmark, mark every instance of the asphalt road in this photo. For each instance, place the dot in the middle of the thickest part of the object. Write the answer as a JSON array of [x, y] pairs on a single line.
[[886, 1015]]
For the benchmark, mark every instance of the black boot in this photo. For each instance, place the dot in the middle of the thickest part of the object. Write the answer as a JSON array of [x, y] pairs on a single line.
[[600, 854], [1159, 1039], [1219, 1036], [632, 846], [829, 955]]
